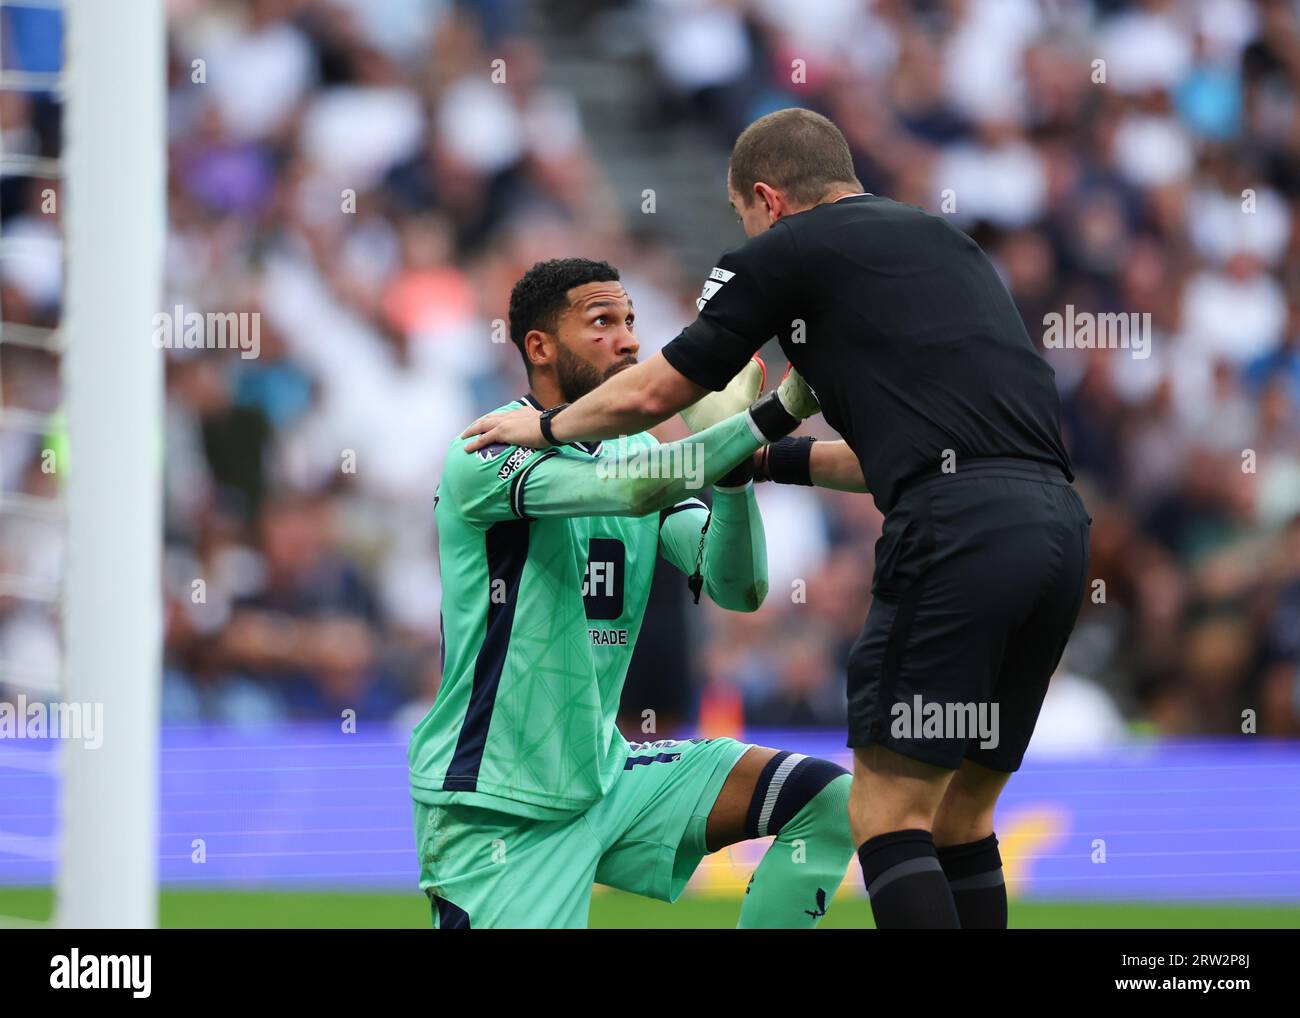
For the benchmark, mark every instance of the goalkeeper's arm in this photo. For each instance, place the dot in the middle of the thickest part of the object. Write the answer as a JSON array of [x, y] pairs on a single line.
[[733, 566], [518, 483], [500, 481]]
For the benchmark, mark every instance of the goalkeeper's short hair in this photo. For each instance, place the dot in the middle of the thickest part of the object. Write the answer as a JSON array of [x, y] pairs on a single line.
[[542, 294]]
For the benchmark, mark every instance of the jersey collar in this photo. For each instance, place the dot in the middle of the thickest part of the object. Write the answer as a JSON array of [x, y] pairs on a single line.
[[590, 448]]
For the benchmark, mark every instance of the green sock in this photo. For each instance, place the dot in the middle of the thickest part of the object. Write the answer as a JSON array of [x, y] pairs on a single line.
[[793, 885]]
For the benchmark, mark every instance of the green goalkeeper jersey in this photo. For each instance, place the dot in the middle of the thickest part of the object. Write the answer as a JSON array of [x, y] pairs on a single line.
[[547, 557]]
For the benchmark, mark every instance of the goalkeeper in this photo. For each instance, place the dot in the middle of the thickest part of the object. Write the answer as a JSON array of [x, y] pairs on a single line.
[[525, 792]]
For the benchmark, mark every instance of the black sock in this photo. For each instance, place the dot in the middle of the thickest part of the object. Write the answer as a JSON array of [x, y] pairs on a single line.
[[905, 882], [974, 873]]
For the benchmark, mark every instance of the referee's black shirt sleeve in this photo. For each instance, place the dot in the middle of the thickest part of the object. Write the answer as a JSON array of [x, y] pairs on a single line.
[[745, 301]]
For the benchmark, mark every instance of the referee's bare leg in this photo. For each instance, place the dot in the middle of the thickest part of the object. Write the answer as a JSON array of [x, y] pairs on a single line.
[[968, 848], [893, 802], [926, 842]]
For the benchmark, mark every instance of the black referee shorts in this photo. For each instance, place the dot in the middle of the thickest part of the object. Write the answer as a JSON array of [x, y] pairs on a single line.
[[979, 577]]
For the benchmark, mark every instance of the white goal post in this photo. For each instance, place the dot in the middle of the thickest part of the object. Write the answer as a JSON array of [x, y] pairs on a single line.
[[114, 223]]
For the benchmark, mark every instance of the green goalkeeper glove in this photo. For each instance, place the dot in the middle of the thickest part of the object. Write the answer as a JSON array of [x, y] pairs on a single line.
[[715, 407], [780, 411], [741, 391]]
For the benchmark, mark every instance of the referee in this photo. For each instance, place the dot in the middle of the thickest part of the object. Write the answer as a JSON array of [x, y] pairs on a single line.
[[950, 417]]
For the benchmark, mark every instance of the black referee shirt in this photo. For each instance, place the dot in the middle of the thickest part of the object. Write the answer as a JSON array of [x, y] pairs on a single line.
[[901, 326]]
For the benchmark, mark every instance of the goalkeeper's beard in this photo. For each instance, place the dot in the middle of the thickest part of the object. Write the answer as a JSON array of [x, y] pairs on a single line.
[[577, 377]]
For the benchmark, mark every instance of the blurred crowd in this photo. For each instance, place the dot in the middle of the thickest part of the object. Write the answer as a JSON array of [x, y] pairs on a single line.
[[371, 178]]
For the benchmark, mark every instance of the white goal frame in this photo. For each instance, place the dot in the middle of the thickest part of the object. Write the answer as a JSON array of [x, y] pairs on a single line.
[[114, 225]]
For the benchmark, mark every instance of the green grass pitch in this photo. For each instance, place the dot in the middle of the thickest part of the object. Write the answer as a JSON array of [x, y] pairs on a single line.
[[614, 910]]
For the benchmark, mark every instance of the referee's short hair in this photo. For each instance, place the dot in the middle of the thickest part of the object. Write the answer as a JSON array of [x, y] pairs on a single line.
[[796, 151]]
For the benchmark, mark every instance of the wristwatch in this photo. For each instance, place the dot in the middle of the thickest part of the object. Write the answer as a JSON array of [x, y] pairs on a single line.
[[544, 422]]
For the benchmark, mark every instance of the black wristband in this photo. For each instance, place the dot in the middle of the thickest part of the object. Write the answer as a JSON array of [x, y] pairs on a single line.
[[738, 476], [789, 461], [771, 418], [544, 422]]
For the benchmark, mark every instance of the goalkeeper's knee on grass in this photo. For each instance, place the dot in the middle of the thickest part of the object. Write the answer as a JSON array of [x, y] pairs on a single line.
[[804, 802]]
